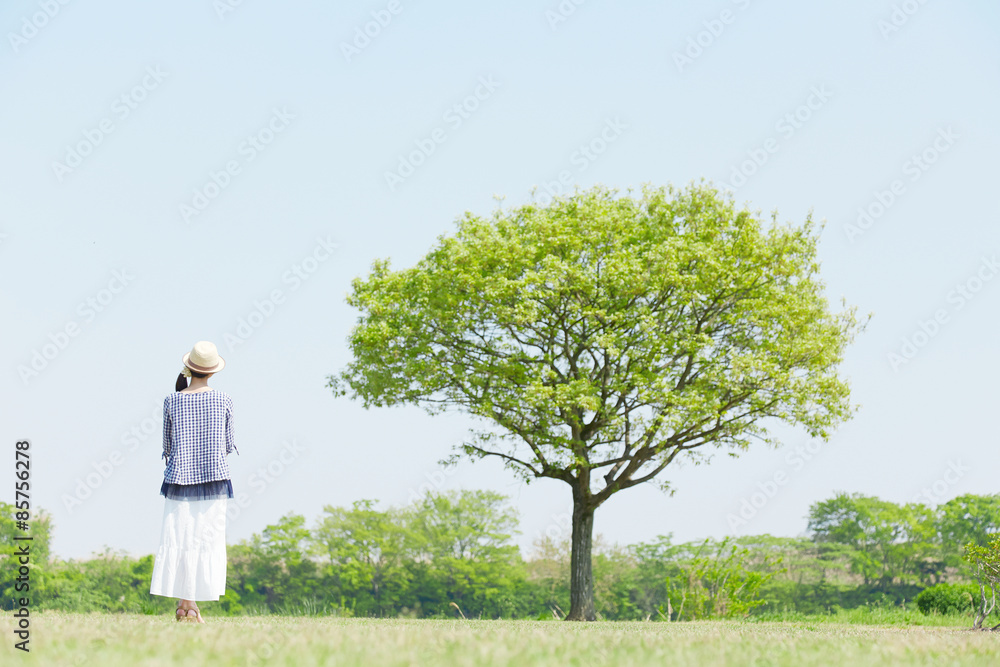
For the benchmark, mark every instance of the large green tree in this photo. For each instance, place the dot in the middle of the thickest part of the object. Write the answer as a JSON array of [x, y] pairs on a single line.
[[366, 550], [272, 568], [967, 518], [603, 336], [462, 552], [891, 543], [463, 525]]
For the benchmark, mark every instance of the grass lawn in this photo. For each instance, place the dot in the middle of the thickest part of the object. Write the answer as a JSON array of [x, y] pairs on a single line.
[[120, 640]]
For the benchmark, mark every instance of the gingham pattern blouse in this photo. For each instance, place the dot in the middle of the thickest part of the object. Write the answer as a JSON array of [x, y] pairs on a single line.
[[197, 436]]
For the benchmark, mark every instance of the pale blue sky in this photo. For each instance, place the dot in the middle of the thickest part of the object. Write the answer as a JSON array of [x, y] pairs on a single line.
[[342, 124]]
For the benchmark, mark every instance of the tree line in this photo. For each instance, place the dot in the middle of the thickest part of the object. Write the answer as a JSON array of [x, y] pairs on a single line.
[[452, 554]]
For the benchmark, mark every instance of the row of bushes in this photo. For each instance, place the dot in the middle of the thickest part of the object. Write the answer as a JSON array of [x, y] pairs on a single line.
[[452, 553]]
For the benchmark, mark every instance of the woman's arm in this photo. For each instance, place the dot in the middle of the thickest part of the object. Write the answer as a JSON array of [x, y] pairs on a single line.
[[167, 430], [230, 439]]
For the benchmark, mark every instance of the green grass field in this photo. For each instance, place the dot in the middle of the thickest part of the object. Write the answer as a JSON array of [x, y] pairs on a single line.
[[128, 640]]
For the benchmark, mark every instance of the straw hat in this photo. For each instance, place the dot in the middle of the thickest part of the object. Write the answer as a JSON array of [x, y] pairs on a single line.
[[204, 358]]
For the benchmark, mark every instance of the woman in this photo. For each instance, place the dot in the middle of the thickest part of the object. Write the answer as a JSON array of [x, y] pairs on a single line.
[[197, 436]]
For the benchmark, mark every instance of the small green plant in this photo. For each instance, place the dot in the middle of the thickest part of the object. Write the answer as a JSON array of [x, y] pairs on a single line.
[[718, 583], [985, 561]]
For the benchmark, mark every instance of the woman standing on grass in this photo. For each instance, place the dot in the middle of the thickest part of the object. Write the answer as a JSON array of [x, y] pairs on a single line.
[[197, 436]]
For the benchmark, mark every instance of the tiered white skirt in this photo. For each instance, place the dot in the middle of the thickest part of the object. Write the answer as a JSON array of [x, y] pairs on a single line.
[[191, 561]]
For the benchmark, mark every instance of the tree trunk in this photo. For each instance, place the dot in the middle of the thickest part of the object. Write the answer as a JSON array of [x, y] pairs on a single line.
[[581, 580]]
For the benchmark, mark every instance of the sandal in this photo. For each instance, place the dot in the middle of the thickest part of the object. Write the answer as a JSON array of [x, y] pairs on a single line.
[[189, 614], [181, 612]]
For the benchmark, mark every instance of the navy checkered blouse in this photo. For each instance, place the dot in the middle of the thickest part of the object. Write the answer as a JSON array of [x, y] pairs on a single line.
[[197, 437]]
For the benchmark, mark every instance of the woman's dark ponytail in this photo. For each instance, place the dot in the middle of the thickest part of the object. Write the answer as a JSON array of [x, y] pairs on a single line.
[[182, 382]]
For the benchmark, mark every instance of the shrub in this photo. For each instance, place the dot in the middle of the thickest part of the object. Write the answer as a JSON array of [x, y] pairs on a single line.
[[986, 561], [948, 599]]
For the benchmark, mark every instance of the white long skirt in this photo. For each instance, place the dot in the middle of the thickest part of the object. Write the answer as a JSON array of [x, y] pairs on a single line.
[[191, 561]]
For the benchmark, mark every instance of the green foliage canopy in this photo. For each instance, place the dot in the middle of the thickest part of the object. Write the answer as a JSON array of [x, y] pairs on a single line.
[[607, 333], [889, 541]]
